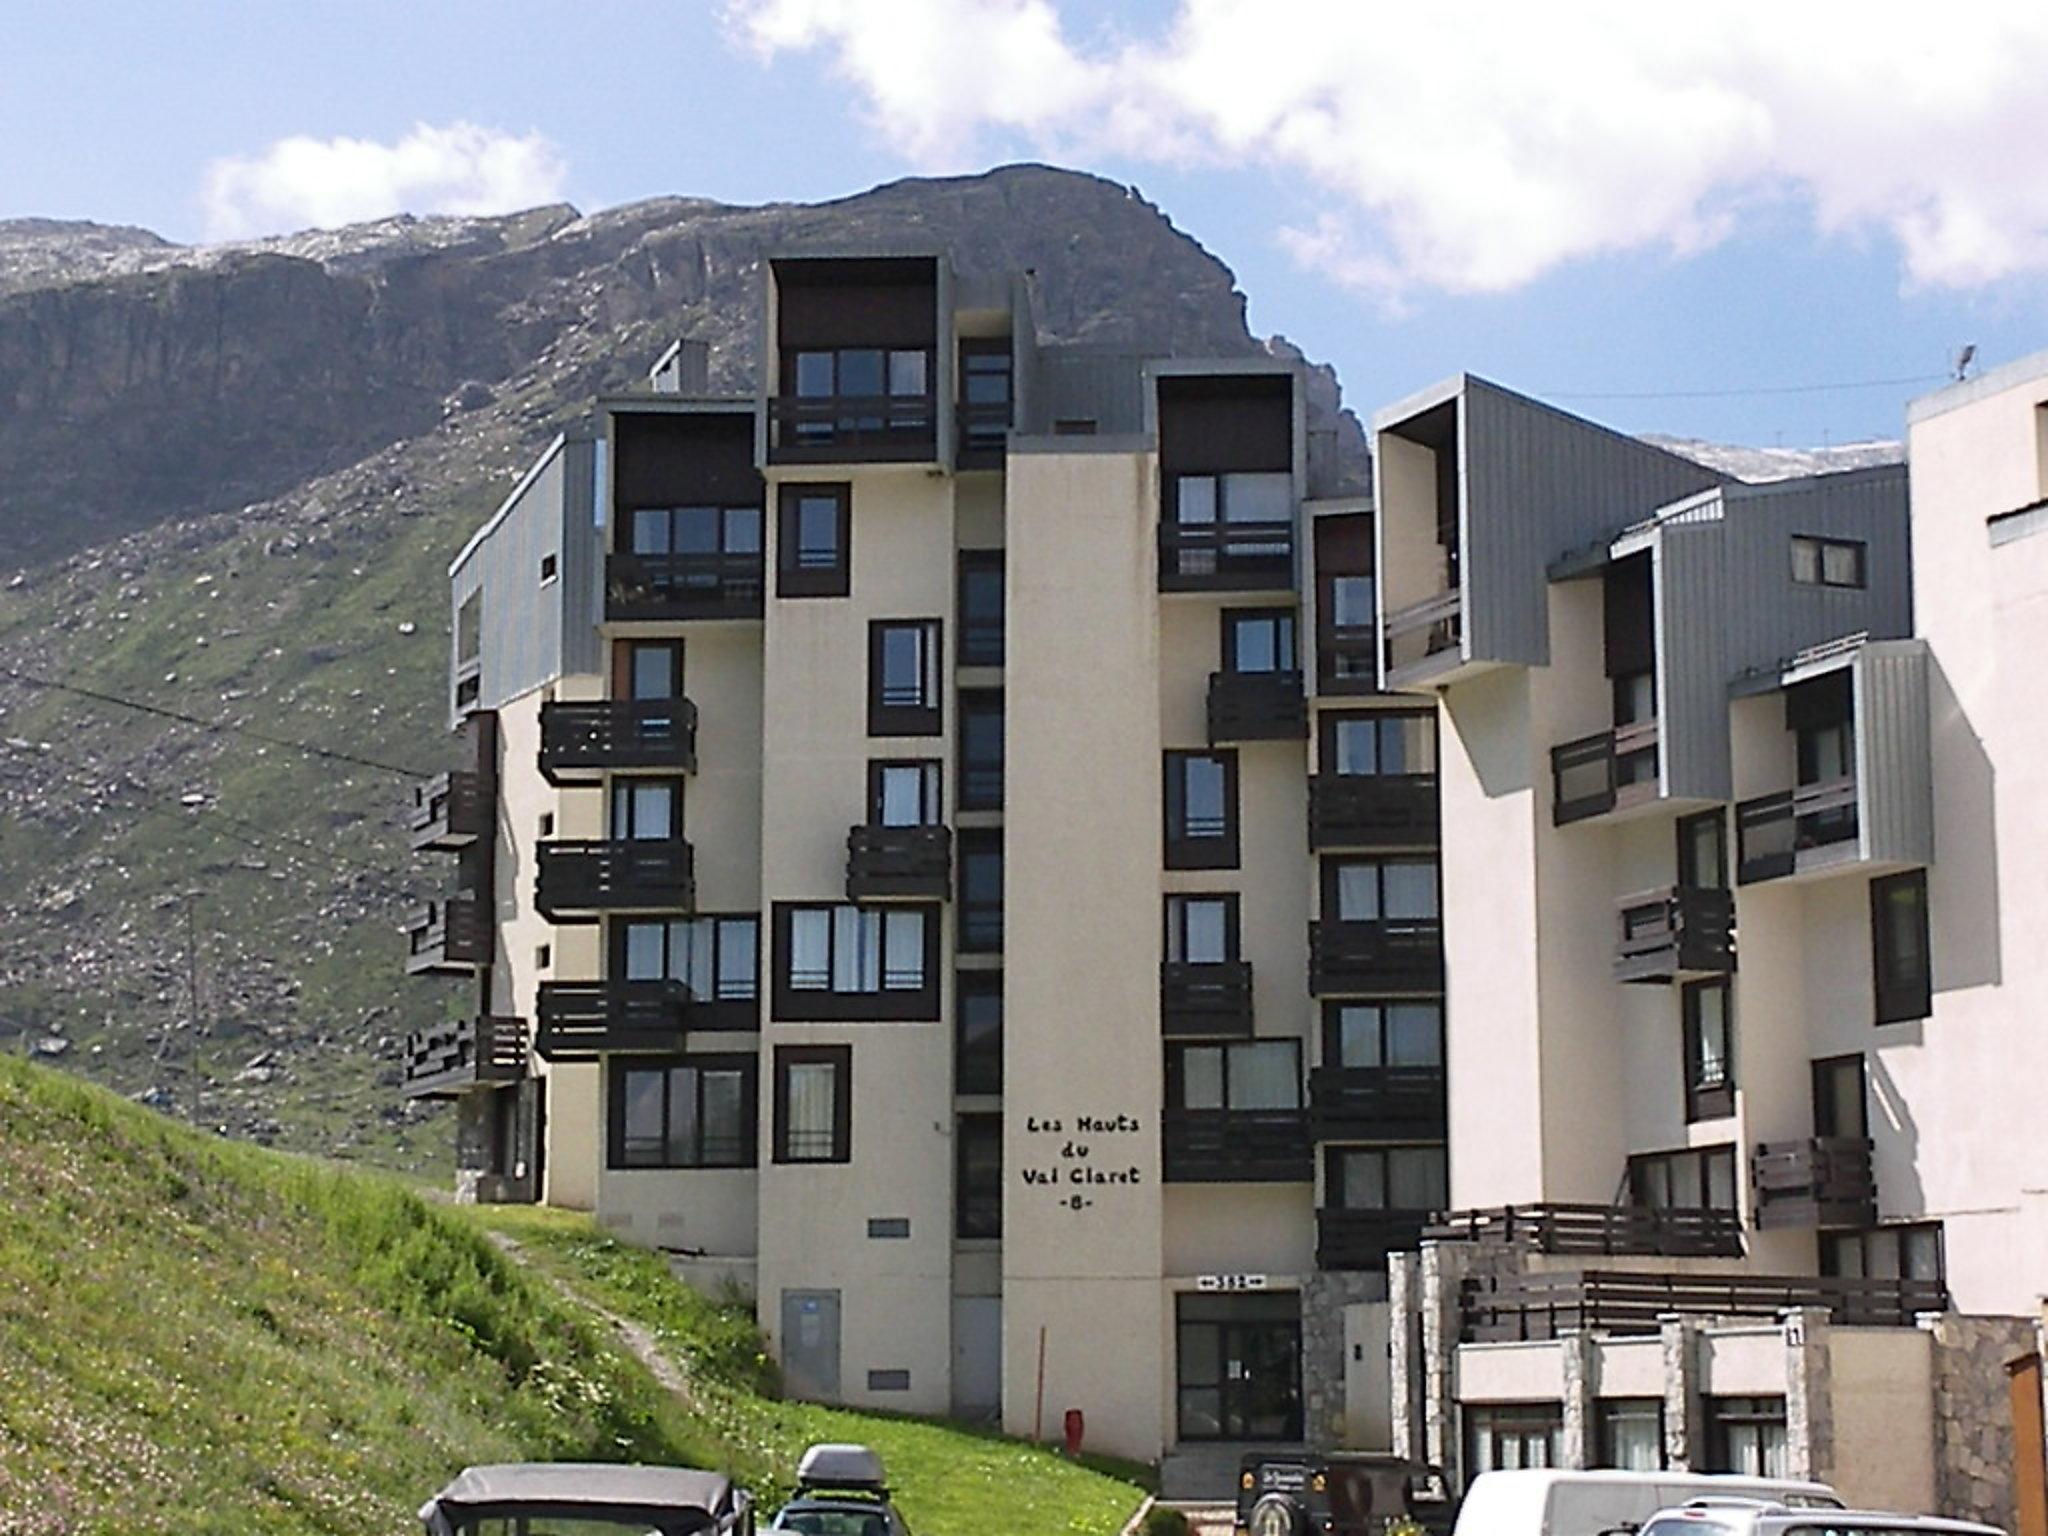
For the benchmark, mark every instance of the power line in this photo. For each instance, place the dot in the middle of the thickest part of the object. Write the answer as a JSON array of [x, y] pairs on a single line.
[[1739, 394]]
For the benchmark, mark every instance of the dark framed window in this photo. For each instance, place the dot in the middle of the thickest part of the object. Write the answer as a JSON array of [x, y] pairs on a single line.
[[840, 961], [1746, 1436], [1201, 810], [1899, 947], [985, 394], [1201, 930], [693, 531], [717, 955], [859, 373], [1709, 1050], [1689, 1179], [1246, 496], [813, 1103], [1388, 1032], [1237, 1365], [1818, 562], [647, 809], [1840, 1106], [1239, 1075], [1386, 1178], [647, 669], [1904, 1251], [1380, 743], [814, 541], [981, 749], [903, 677], [1389, 890], [1258, 640], [1631, 1433], [681, 1112], [1502, 1437], [978, 1032], [981, 608], [1703, 851], [979, 875], [905, 792], [978, 1176]]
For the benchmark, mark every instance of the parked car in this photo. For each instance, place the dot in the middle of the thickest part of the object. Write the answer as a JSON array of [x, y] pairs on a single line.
[[840, 1491], [1554, 1502], [1338, 1493], [588, 1499], [1762, 1517]]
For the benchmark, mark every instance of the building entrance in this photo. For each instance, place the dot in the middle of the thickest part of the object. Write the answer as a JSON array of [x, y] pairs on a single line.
[[1238, 1366]]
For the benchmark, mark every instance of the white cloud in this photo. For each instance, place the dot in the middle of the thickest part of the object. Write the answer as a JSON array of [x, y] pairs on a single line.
[[301, 182], [1475, 146]]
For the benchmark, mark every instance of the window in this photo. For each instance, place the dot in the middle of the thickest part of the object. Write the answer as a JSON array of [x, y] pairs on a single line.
[[1898, 947], [1709, 1064], [1746, 1435], [1248, 497], [813, 541], [1703, 851], [547, 569], [648, 669], [978, 1176], [682, 1112], [718, 957], [1506, 1436], [904, 794], [849, 962], [981, 749], [694, 531], [1243, 1075], [1372, 1034], [1631, 1433], [469, 630], [1696, 1178], [1827, 562], [862, 373], [903, 677], [1391, 891], [1386, 1178], [981, 608], [813, 1103], [1258, 640], [647, 810], [1839, 1106], [978, 1032], [984, 394], [1201, 810], [1201, 930], [1367, 745], [1902, 1252], [980, 880]]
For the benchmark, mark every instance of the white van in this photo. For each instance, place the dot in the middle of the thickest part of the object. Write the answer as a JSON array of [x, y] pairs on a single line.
[[1708, 1518], [1551, 1502]]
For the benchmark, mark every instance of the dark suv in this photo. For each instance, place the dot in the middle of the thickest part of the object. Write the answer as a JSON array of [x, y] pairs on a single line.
[[1338, 1493]]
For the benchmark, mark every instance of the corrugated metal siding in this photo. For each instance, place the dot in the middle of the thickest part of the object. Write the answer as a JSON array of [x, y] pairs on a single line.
[[1893, 757], [1692, 664], [1104, 387], [583, 545]]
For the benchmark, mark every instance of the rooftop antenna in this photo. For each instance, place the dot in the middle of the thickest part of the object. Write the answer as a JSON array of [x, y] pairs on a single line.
[[1964, 357]]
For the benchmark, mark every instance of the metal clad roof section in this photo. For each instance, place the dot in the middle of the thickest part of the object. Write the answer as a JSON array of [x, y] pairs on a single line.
[[1692, 663], [1893, 752]]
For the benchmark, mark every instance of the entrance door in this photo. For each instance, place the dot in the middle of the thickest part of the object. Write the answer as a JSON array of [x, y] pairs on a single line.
[[977, 1357], [810, 1344], [1239, 1367]]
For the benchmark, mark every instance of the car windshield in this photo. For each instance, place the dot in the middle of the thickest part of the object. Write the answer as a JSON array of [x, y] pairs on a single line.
[[835, 1522]]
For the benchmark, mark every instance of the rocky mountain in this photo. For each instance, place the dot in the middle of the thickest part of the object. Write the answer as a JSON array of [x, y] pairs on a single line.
[[1781, 463], [232, 477]]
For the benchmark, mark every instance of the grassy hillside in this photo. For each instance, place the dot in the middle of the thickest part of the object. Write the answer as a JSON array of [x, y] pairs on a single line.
[[197, 1335]]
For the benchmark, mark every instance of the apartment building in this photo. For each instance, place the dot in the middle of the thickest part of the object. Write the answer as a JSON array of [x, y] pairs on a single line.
[[931, 852]]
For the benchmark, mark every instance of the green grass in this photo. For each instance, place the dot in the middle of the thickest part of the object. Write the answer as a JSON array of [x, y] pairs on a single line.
[[951, 1481]]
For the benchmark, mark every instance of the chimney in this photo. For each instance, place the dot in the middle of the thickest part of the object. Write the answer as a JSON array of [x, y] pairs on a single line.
[[684, 369]]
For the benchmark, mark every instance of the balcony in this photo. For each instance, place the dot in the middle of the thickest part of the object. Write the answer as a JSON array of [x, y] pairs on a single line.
[[579, 741], [1347, 1239], [1423, 639], [1560, 1228], [1610, 771], [449, 938], [1801, 831], [1376, 1103], [450, 811], [984, 427], [1256, 706], [1517, 1308], [1347, 660], [580, 879], [1224, 1146], [709, 585], [1372, 811], [852, 429], [1226, 556], [1823, 1182], [582, 1020], [1206, 999], [1388, 955], [448, 1060], [899, 861], [1675, 933]]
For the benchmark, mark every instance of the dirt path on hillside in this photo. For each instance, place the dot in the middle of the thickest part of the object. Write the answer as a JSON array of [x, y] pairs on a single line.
[[640, 1341]]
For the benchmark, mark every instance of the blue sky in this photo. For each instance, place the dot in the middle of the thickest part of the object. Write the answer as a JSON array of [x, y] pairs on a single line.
[[1783, 236]]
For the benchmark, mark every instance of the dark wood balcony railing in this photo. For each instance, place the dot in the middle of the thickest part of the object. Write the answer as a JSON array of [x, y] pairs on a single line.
[[1347, 1239], [581, 738], [844, 429], [709, 585], [984, 428], [1608, 771], [1256, 706], [1225, 556], [581, 1020], [450, 811], [1512, 1308], [1372, 810], [452, 937], [1390, 955], [1610, 1229], [579, 879], [448, 1059], [1376, 1103], [1825, 1181], [1225, 1146], [1779, 835], [1675, 933], [1347, 659], [1212, 998], [899, 861], [1422, 635]]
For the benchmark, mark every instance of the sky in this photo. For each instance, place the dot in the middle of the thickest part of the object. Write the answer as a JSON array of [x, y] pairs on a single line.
[[1669, 219]]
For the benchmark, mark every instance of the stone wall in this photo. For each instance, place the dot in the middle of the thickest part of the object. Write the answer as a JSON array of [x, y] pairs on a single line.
[[482, 1176], [1323, 1300], [1973, 1445]]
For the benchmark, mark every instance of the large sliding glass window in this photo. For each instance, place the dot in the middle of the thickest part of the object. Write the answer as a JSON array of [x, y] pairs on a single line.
[[682, 1112], [849, 962], [1243, 1075]]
